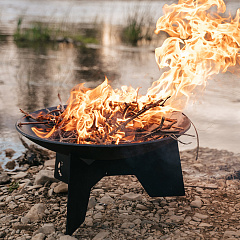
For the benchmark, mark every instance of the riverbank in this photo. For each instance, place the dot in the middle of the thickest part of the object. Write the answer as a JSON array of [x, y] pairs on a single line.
[[119, 208]]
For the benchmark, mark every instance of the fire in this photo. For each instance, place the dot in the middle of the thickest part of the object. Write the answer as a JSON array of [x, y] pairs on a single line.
[[201, 44]]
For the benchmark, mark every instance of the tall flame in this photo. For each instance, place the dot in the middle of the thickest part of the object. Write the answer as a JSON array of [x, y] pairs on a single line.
[[201, 44]]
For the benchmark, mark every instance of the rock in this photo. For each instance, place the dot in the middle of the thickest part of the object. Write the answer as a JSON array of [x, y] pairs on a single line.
[[39, 236], [50, 192], [25, 220], [21, 226], [46, 229], [101, 235], [50, 163], [137, 221], [12, 205], [204, 225], [44, 176], [10, 165], [92, 202], [6, 218], [132, 197], [8, 199], [61, 188], [88, 221], [36, 212], [19, 175], [175, 218], [98, 215], [197, 203], [106, 199], [9, 152], [67, 237], [200, 216], [4, 178], [141, 207], [128, 225], [229, 234], [99, 207]]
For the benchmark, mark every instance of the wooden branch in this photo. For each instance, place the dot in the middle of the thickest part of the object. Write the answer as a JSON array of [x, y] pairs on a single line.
[[31, 123], [137, 115]]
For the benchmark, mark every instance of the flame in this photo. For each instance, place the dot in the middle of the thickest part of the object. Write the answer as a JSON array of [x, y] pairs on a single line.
[[201, 44]]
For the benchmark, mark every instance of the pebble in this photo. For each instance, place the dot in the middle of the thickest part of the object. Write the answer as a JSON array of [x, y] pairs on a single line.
[[67, 237], [197, 203], [92, 202], [204, 225], [119, 208], [44, 176], [106, 199], [49, 163], [36, 212], [46, 229], [9, 152], [10, 165], [201, 216], [4, 178], [19, 175], [101, 235], [61, 188], [132, 197], [39, 236]]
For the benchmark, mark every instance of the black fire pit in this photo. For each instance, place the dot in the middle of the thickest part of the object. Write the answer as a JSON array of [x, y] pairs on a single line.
[[156, 164]]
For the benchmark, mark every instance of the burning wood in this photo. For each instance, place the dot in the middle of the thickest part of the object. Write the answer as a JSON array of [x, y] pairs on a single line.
[[121, 125]]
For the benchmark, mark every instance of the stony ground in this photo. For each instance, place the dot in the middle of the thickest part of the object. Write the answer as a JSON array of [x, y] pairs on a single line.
[[119, 208]]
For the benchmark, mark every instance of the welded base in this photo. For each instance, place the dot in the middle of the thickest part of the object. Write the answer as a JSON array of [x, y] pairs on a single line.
[[158, 171]]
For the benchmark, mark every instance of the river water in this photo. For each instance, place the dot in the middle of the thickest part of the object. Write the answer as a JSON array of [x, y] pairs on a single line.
[[32, 76]]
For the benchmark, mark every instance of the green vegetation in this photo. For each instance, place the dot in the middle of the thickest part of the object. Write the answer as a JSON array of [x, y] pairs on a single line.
[[37, 32], [137, 29], [12, 186], [42, 32]]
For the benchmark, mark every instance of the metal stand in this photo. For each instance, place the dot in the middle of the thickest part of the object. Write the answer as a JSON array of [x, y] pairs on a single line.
[[158, 171]]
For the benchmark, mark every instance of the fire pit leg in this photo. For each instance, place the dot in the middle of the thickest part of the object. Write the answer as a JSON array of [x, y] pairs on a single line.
[[81, 179]]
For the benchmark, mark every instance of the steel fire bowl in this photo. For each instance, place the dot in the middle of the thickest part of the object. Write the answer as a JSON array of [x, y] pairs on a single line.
[[99, 151]]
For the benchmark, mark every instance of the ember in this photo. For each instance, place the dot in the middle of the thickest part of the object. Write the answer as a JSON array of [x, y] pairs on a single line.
[[200, 44]]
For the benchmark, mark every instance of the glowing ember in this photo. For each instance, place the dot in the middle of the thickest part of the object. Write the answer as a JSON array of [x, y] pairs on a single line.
[[201, 44]]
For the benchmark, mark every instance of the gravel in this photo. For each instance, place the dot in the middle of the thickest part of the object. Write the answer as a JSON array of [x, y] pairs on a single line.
[[119, 207]]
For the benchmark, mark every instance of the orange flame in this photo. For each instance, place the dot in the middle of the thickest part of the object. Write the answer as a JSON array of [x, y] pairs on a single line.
[[201, 44]]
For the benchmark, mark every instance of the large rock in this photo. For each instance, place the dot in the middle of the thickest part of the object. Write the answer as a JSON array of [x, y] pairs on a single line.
[[44, 176], [4, 178], [36, 212]]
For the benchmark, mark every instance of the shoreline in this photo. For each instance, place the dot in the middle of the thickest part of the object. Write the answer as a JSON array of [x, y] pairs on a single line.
[[210, 208]]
